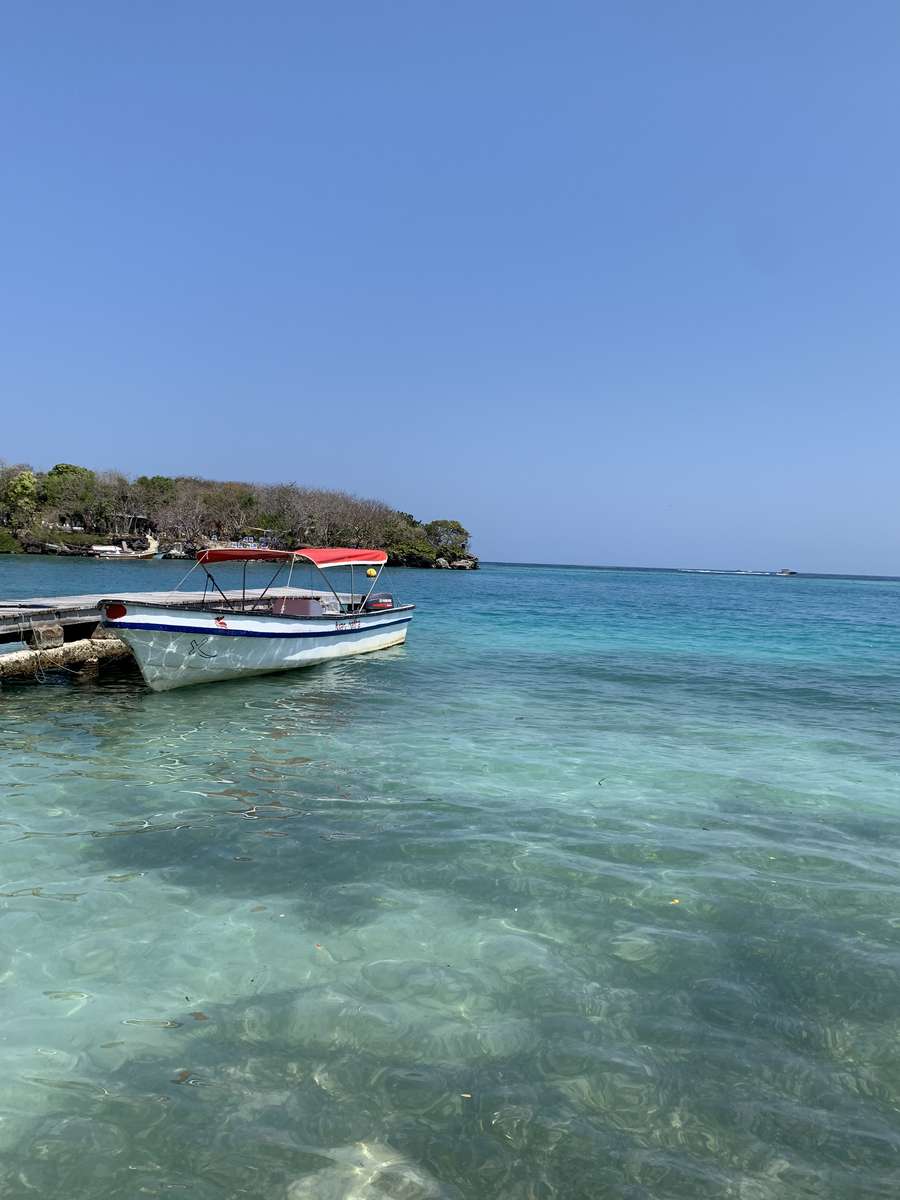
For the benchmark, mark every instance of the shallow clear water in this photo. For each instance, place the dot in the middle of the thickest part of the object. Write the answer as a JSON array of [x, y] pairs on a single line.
[[589, 901]]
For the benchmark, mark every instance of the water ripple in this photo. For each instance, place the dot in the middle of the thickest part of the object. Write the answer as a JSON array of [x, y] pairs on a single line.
[[546, 906]]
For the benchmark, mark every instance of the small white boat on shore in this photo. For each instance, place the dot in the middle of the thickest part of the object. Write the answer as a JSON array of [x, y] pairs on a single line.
[[228, 635], [121, 551]]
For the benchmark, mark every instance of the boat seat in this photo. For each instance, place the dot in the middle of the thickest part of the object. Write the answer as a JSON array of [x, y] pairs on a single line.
[[296, 606]]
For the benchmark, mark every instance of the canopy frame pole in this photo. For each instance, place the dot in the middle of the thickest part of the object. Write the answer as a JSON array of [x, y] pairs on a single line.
[[278, 571], [184, 577], [328, 581], [211, 579], [372, 588]]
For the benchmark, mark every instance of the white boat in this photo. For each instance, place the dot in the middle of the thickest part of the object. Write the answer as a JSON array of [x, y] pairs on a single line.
[[227, 635], [123, 551]]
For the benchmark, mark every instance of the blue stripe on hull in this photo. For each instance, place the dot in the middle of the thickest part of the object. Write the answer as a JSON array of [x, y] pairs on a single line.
[[216, 631]]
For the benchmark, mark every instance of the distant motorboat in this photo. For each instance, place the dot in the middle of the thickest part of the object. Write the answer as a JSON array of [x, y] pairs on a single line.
[[785, 571]]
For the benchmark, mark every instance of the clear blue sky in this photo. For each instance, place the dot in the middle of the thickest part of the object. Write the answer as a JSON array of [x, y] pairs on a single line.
[[611, 283]]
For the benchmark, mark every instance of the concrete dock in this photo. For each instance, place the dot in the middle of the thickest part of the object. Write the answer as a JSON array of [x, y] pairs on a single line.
[[71, 612], [45, 633]]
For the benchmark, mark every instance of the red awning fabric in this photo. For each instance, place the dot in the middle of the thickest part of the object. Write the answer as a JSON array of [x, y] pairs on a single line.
[[321, 556], [236, 554], [341, 556]]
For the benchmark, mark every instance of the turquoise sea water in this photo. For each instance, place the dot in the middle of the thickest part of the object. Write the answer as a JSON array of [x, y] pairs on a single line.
[[590, 891]]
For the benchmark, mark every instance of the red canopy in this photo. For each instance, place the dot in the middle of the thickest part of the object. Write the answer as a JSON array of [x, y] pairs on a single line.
[[321, 556], [340, 556], [236, 554]]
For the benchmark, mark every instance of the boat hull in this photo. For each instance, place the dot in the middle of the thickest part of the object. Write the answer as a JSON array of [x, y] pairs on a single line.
[[175, 648]]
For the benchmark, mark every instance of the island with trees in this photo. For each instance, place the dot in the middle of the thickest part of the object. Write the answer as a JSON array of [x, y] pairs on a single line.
[[70, 508]]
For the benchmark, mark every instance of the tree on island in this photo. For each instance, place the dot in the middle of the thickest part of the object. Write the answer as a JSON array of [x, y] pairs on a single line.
[[18, 497], [449, 538], [71, 493]]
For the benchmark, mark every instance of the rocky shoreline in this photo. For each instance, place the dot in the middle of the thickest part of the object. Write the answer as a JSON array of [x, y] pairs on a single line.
[[461, 564], [138, 547]]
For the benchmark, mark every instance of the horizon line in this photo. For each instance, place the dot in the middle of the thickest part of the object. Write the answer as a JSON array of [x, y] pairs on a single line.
[[500, 562]]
